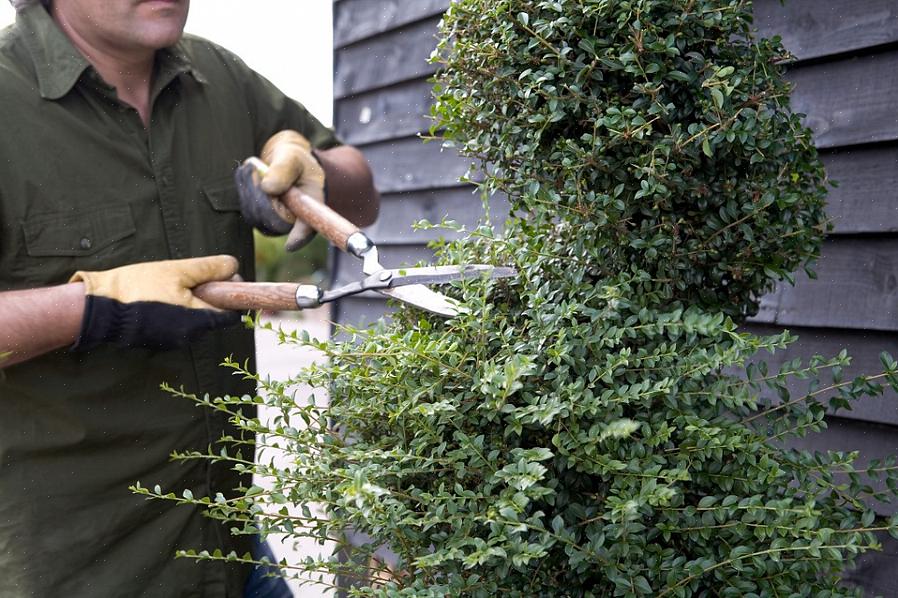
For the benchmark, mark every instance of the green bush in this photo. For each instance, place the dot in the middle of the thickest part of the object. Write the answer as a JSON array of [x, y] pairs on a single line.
[[599, 426], [660, 127]]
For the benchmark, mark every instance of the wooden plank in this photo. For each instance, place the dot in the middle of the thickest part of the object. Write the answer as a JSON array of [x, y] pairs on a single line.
[[399, 211], [849, 101], [767, 307], [866, 200], [410, 164], [812, 29], [857, 288], [864, 348], [396, 111], [395, 56], [874, 571], [872, 440], [355, 20]]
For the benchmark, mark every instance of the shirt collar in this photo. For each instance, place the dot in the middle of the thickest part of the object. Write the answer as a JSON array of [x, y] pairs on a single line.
[[59, 64]]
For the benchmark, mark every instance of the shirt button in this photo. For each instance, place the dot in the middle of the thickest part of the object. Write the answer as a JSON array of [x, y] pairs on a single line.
[[85, 243]]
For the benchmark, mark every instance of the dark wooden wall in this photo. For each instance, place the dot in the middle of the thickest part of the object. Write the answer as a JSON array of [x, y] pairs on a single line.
[[381, 103], [846, 82]]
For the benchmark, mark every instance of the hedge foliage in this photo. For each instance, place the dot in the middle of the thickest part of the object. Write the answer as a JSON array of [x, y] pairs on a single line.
[[599, 426]]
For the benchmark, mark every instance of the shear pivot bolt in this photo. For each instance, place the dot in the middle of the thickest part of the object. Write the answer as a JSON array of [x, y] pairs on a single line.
[[385, 276]]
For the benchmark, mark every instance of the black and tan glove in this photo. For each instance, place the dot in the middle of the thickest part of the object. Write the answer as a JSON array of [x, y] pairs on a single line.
[[290, 162], [151, 304]]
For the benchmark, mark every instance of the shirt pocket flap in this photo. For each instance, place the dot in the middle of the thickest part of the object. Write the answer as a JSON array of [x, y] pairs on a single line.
[[75, 234], [222, 195]]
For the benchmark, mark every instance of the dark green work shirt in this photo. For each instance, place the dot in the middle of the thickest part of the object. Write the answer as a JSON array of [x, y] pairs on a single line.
[[84, 186]]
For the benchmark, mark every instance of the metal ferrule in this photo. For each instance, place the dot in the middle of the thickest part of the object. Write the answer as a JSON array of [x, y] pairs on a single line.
[[358, 244], [307, 296]]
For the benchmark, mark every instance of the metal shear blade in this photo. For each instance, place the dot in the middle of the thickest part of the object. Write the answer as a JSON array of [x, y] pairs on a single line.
[[407, 285]]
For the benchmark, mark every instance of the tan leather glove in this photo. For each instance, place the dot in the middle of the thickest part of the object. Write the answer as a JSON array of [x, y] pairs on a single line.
[[150, 304], [290, 162]]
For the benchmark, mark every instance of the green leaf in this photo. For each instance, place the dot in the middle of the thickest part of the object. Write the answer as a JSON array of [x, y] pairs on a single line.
[[868, 517], [707, 501], [621, 428], [706, 147], [725, 72]]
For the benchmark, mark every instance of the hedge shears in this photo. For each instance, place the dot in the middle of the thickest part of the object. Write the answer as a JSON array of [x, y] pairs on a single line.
[[408, 285]]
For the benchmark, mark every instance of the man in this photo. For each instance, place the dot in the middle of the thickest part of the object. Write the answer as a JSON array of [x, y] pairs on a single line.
[[120, 139]]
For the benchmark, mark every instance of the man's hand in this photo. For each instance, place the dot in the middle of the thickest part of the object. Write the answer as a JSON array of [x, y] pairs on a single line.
[[151, 304], [290, 162], [350, 186]]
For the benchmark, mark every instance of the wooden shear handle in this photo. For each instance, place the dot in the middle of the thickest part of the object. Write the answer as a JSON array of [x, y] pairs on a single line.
[[242, 296], [334, 227]]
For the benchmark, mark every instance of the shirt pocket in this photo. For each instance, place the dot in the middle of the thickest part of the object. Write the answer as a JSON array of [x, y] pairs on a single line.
[[58, 244], [221, 194], [227, 232]]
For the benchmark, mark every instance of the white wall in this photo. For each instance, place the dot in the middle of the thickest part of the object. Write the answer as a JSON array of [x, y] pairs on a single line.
[[287, 41]]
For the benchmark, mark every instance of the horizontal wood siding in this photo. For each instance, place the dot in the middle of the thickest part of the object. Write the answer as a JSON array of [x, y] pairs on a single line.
[[811, 29], [361, 312], [872, 441], [864, 346], [856, 287], [383, 97], [355, 20], [846, 83], [400, 211], [394, 56], [396, 111], [866, 199], [408, 164], [849, 101]]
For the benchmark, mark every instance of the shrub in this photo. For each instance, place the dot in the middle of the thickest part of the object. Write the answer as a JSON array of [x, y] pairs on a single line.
[[599, 426]]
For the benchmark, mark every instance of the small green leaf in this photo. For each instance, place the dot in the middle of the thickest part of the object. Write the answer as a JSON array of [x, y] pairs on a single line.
[[726, 72]]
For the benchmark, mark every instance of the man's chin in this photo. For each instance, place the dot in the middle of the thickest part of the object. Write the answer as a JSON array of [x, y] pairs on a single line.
[[159, 37], [161, 22]]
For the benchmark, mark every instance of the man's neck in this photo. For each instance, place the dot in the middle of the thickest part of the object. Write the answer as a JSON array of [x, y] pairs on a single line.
[[130, 72]]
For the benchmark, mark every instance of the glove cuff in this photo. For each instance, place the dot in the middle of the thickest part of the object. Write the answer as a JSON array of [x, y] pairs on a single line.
[[98, 329], [148, 324], [256, 207]]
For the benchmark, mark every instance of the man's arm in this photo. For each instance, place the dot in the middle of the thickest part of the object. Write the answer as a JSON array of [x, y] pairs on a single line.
[[148, 304], [350, 186], [37, 321]]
